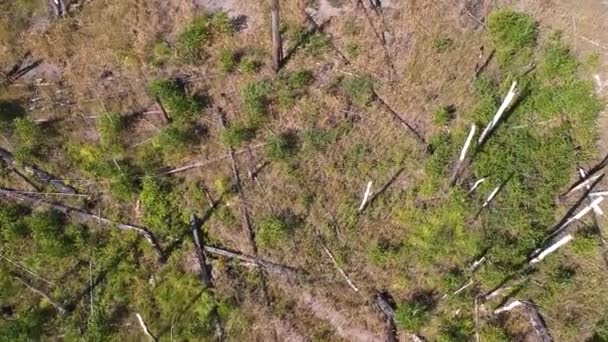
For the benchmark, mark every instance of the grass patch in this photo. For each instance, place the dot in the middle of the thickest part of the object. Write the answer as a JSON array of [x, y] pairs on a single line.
[[513, 34], [282, 146], [110, 127], [31, 141], [271, 232], [255, 101], [359, 89], [237, 134], [181, 107]]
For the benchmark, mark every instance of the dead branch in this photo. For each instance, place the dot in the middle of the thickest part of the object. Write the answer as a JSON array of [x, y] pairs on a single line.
[[382, 189], [163, 113], [84, 216], [401, 120], [40, 292], [210, 161], [337, 266]]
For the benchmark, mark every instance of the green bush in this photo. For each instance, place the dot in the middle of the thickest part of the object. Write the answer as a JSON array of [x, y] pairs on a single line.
[[359, 89], [318, 139], [110, 126], [442, 115], [123, 181], [292, 86], [456, 329], [411, 316], [271, 232], [236, 134], [174, 140], [227, 60], [249, 65], [282, 146], [182, 108], [513, 34], [191, 42], [159, 210], [255, 101], [441, 44], [353, 50], [161, 53], [30, 141], [221, 24], [12, 226]]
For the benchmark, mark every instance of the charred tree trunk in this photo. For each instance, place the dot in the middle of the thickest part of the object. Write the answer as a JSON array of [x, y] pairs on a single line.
[[277, 43], [195, 227]]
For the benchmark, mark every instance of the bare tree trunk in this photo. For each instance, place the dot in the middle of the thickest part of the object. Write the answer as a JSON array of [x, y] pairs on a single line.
[[277, 43], [195, 226], [40, 292]]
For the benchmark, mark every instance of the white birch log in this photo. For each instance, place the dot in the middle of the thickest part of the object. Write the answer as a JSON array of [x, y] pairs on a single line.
[[491, 197], [581, 213], [508, 307], [477, 263], [477, 184], [596, 209], [585, 184], [467, 143], [368, 191], [552, 249], [503, 107], [145, 328]]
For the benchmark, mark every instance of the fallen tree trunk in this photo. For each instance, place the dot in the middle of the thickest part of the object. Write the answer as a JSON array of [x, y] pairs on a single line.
[[40, 292], [258, 262], [41, 175], [277, 43], [84, 216], [537, 322], [195, 227]]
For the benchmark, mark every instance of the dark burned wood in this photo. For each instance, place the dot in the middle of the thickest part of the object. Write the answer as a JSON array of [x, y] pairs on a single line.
[[162, 112], [537, 322], [205, 273], [83, 216], [21, 67], [402, 121], [40, 292], [385, 303], [41, 175]]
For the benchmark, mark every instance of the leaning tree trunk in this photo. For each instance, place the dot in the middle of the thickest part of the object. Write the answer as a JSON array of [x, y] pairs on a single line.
[[277, 43]]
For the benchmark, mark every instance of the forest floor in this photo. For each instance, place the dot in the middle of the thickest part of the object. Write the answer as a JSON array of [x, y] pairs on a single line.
[[383, 95]]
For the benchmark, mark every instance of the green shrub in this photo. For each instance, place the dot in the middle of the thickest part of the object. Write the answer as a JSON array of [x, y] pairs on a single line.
[[292, 86], [227, 60], [236, 134], [383, 251], [249, 65], [271, 232], [353, 50], [221, 24], [318, 139], [191, 42], [30, 139], [110, 126], [123, 181], [159, 210], [441, 44], [601, 332], [513, 34], [161, 53], [411, 316], [182, 108], [282, 146], [359, 89], [11, 222], [255, 101], [456, 329], [47, 229], [224, 215], [442, 115]]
